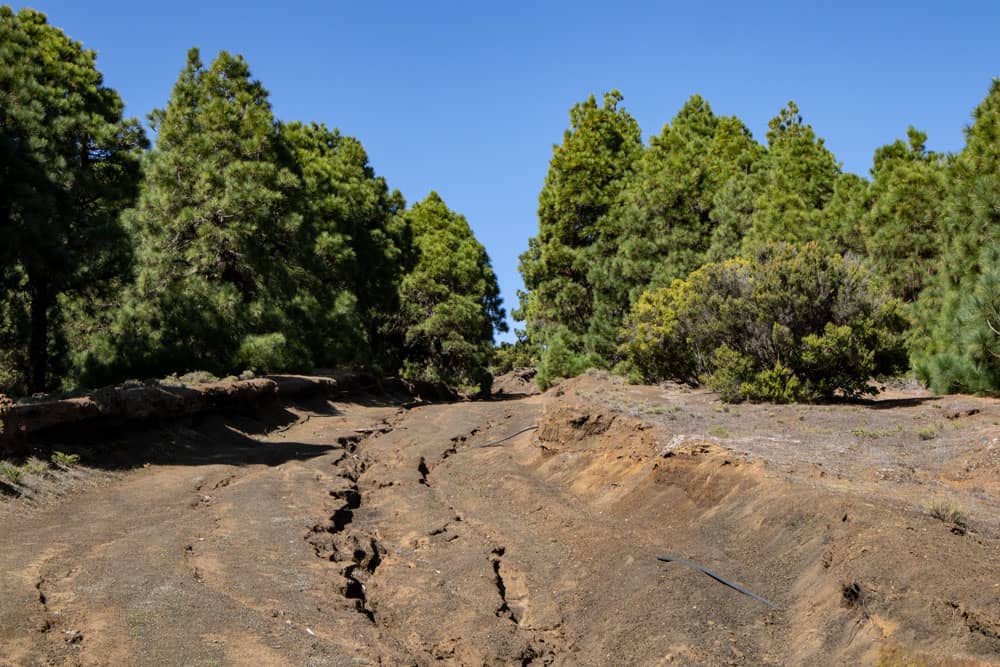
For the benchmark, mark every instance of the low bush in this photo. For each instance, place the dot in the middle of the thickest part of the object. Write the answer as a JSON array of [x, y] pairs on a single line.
[[10, 472], [790, 323], [949, 512], [563, 357], [269, 353], [63, 460]]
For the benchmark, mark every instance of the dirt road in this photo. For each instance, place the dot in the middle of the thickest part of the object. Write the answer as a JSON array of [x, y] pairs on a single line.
[[364, 533]]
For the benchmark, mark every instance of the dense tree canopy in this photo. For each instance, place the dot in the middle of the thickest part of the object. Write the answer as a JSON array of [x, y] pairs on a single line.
[[798, 178], [271, 246], [243, 242], [902, 231], [586, 174], [355, 240], [218, 204], [450, 300], [660, 227], [704, 191], [957, 342], [68, 165]]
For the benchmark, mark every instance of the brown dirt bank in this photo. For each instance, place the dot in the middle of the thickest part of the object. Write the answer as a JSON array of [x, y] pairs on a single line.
[[362, 533]]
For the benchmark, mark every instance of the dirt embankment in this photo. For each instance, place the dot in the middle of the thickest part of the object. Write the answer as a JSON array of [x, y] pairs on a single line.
[[360, 532], [135, 404], [859, 568]]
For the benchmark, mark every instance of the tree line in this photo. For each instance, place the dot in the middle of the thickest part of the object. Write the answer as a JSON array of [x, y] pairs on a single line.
[[763, 269], [237, 241], [240, 241]]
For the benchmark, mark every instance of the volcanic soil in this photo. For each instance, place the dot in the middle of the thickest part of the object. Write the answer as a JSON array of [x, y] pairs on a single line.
[[368, 530]]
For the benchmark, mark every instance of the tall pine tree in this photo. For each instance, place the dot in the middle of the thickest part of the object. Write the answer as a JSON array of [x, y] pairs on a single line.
[[69, 163], [798, 179], [902, 232], [660, 227], [585, 176], [356, 238], [218, 231], [450, 300], [957, 339]]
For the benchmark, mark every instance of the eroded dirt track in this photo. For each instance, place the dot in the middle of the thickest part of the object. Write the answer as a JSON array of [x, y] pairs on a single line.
[[369, 534]]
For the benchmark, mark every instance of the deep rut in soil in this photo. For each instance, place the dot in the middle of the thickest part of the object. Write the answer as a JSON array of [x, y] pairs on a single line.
[[436, 536], [358, 554]]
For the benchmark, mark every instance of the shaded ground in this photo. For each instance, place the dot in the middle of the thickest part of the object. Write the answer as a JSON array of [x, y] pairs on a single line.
[[363, 533]]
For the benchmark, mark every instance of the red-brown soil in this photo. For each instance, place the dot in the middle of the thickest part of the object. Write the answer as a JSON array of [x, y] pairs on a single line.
[[360, 532]]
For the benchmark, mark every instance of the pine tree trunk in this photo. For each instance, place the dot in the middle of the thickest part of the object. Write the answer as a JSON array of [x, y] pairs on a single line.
[[38, 351]]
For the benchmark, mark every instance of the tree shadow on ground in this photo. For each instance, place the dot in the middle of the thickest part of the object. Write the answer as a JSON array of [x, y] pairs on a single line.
[[213, 438], [206, 440], [890, 403]]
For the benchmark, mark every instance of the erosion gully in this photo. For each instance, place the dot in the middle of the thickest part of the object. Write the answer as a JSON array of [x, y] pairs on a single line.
[[363, 532]]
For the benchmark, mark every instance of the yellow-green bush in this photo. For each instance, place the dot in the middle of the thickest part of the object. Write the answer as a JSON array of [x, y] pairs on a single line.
[[790, 323]]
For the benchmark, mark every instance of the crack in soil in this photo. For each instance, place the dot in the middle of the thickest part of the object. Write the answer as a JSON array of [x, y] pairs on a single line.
[[503, 611], [444, 529], [365, 564], [335, 543], [979, 625], [42, 598], [456, 442], [424, 471]]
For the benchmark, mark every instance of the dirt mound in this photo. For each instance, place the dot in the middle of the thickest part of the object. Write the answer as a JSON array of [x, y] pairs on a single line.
[[517, 382]]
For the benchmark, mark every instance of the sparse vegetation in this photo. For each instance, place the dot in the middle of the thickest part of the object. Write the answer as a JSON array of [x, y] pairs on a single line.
[[949, 512], [719, 432], [864, 432], [63, 460], [927, 432], [35, 466], [10, 472]]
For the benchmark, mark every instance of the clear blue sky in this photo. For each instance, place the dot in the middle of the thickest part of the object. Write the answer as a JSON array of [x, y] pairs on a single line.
[[467, 98]]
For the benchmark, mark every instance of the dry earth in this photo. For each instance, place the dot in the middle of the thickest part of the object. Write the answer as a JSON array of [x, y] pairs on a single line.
[[360, 532]]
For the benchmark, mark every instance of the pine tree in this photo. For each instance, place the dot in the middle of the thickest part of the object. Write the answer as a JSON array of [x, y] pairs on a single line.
[[450, 300], [902, 232], [586, 174], [732, 214], [798, 179], [956, 340], [356, 237], [660, 228], [69, 163], [840, 223], [218, 207]]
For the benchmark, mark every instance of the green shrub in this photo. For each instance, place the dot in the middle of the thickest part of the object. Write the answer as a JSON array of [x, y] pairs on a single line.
[[63, 460], [10, 472], [561, 359], [778, 384], [35, 466], [269, 353], [508, 356], [730, 372], [927, 433], [789, 324]]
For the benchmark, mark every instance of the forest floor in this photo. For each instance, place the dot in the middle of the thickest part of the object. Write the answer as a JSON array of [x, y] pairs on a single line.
[[358, 531]]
